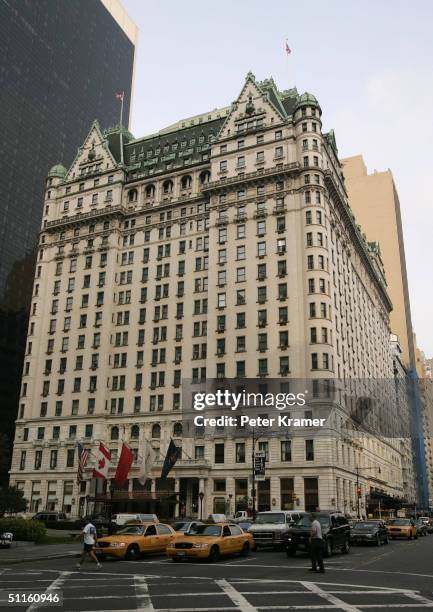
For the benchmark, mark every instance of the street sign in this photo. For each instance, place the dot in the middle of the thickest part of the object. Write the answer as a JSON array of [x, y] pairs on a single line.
[[259, 465]]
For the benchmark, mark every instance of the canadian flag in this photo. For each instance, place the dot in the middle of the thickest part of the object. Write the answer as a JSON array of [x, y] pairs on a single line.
[[103, 459]]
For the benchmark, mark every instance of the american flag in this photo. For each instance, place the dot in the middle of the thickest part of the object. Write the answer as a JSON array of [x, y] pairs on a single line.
[[119, 96], [288, 49], [83, 456]]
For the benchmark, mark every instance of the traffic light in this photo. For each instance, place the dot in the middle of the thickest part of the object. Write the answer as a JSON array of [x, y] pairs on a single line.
[[358, 491]]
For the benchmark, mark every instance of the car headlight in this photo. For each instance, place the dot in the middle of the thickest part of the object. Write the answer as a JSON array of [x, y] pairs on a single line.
[[117, 544], [200, 545], [369, 535], [171, 545]]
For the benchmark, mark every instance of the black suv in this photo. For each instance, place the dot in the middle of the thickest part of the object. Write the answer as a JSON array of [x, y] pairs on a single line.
[[335, 533]]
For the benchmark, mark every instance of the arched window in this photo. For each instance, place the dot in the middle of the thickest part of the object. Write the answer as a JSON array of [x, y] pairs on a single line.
[[167, 186], [156, 431], [204, 177], [150, 191], [186, 182], [135, 432], [114, 433], [132, 195], [177, 430]]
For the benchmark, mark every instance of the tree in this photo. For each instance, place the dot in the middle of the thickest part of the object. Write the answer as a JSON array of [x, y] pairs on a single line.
[[12, 500]]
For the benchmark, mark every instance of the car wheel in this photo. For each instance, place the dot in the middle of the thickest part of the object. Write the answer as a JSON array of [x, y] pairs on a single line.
[[291, 551], [132, 552], [214, 554], [346, 547], [245, 550], [328, 548]]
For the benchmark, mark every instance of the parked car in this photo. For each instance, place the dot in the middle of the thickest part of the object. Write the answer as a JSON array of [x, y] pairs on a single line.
[[421, 527], [210, 541], [402, 528], [133, 540], [242, 515], [245, 525], [335, 533], [272, 528], [184, 526], [369, 532], [6, 539], [122, 519], [217, 518], [430, 526], [99, 521], [48, 517]]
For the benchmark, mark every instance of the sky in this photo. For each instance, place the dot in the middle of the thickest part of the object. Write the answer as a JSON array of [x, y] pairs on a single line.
[[369, 63]]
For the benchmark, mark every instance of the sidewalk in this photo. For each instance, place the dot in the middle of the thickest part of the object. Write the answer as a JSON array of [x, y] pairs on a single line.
[[21, 552]]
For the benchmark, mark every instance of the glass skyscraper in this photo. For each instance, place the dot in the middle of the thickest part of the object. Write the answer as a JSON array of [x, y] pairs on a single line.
[[61, 64]]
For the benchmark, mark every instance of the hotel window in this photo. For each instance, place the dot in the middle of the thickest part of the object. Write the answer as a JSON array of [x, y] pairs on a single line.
[[240, 252], [283, 340], [314, 361], [263, 367], [38, 459], [219, 455], [240, 320], [261, 249], [279, 152], [240, 452], [278, 135], [240, 369], [309, 450], [240, 275], [221, 300], [286, 450], [260, 157], [283, 315], [223, 166], [240, 231], [261, 228]]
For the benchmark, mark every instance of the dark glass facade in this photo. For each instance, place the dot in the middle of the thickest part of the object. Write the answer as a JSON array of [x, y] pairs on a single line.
[[61, 64]]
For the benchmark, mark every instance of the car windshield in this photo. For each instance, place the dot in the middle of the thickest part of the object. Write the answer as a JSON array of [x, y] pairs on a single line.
[[182, 526], [305, 521], [205, 530], [131, 531], [399, 522], [270, 517], [361, 525]]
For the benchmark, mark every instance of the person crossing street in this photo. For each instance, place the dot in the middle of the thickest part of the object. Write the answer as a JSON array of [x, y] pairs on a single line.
[[89, 538], [316, 545]]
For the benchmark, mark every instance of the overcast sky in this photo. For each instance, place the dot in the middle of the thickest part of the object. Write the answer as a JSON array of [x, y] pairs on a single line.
[[370, 64]]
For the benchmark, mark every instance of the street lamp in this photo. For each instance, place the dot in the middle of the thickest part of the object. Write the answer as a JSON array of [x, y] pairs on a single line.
[[201, 495], [358, 489]]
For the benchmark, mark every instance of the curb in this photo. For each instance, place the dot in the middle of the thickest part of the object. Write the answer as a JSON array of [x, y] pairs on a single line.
[[45, 558]]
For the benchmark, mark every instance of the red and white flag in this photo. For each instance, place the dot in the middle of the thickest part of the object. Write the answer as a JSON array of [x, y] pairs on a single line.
[[288, 49], [103, 459], [119, 96], [125, 461]]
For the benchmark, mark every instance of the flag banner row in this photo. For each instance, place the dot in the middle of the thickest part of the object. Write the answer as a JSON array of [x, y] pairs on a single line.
[[126, 459]]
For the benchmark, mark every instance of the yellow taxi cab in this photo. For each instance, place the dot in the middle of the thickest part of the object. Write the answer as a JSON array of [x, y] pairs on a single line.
[[402, 528], [133, 540], [210, 541]]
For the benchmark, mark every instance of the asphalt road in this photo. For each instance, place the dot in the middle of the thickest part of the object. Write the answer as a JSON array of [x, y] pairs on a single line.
[[399, 575]]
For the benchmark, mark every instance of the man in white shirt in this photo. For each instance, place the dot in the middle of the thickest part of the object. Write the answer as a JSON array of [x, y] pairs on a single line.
[[316, 545], [89, 539]]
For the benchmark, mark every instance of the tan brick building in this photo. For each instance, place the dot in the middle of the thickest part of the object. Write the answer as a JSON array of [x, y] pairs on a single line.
[[222, 246]]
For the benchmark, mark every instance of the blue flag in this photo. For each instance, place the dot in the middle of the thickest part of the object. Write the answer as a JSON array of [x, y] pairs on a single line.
[[173, 454]]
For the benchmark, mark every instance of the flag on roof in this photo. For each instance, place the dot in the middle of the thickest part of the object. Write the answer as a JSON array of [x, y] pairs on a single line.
[[288, 49]]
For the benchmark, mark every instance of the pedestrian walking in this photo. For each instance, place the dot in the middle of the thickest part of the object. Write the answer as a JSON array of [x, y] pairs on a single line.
[[316, 545], [89, 540]]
